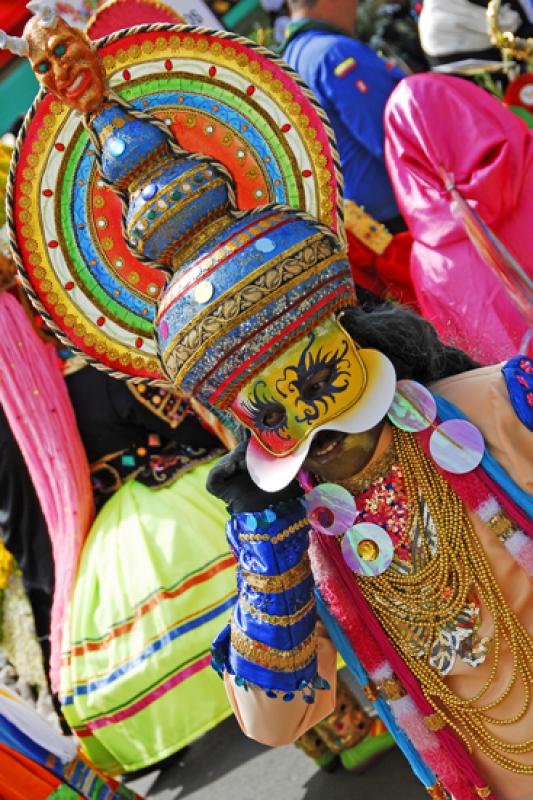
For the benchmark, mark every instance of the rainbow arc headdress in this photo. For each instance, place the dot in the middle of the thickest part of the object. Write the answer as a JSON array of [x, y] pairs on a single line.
[[227, 173]]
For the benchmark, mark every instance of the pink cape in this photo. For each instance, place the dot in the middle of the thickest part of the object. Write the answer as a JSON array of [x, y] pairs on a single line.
[[439, 120]]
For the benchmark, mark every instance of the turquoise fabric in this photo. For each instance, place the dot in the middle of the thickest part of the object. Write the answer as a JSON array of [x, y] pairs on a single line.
[[18, 89], [419, 767]]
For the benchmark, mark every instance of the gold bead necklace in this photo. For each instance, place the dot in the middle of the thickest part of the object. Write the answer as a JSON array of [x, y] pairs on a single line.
[[436, 593]]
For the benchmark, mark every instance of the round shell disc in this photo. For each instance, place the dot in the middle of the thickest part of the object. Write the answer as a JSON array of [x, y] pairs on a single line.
[[457, 446], [221, 96], [367, 549], [331, 508]]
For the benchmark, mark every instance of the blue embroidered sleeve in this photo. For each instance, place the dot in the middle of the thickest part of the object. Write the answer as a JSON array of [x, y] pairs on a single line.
[[271, 641]]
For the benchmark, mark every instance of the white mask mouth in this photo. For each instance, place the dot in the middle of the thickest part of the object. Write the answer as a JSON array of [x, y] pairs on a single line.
[[273, 473]]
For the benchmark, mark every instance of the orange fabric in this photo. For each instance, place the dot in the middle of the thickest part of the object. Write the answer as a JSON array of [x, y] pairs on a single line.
[[23, 779]]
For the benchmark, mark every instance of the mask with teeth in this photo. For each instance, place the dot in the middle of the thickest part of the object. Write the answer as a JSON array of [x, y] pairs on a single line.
[[64, 63]]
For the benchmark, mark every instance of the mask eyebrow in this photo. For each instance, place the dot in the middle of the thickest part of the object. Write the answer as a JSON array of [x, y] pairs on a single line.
[[297, 370], [310, 365], [57, 38], [260, 401]]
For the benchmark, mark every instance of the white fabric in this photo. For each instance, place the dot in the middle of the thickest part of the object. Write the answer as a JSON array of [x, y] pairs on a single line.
[[30, 723], [458, 26]]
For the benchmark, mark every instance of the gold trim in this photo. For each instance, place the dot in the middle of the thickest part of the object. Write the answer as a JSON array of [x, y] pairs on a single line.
[[273, 619], [507, 42], [437, 792], [265, 537], [366, 229], [179, 253], [279, 583], [265, 656], [137, 390], [371, 691], [502, 526], [393, 688], [434, 722]]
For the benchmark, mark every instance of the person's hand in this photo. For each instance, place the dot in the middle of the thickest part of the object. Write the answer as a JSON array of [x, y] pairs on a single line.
[[230, 481]]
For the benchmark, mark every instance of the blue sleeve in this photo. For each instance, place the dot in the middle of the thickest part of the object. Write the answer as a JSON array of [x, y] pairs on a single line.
[[354, 84], [271, 640]]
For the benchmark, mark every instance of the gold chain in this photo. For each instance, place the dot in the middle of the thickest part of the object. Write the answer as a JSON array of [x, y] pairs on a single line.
[[436, 593]]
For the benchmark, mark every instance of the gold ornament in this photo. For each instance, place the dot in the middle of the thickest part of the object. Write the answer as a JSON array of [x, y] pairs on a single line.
[[435, 594]]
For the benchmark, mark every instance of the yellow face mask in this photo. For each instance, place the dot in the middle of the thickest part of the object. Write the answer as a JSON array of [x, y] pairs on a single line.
[[311, 383]]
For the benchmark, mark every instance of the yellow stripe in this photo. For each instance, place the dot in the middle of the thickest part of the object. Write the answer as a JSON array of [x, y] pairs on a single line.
[[340, 68]]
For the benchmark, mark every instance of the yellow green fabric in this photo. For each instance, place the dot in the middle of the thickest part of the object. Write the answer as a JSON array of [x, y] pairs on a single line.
[[156, 583]]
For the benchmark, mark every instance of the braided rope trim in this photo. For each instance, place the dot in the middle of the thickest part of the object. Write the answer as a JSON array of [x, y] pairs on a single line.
[[111, 39]]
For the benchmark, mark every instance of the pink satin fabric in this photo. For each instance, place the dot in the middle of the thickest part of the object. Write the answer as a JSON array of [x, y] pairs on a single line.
[[434, 121], [36, 403]]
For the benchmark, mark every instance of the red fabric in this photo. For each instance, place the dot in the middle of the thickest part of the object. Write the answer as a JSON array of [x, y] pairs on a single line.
[[387, 275], [452, 753], [23, 779], [13, 16]]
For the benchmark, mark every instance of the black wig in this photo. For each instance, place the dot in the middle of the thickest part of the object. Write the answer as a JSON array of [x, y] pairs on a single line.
[[409, 341]]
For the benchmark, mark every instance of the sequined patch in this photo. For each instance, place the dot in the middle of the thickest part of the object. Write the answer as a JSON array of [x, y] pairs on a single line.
[[385, 502]]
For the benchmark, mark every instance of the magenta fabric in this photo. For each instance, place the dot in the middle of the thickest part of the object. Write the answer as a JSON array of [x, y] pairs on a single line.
[[452, 749], [38, 408], [451, 763], [434, 121]]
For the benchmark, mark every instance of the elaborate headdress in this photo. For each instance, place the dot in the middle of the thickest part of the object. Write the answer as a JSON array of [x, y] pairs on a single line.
[[243, 110], [248, 283]]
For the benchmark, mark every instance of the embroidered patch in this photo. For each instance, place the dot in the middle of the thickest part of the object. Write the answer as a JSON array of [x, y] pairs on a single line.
[[345, 67]]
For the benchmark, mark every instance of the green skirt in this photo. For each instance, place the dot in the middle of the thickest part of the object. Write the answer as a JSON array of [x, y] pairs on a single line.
[[156, 583]]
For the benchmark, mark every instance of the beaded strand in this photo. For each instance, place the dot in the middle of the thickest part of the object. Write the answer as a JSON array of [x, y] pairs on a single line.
[[436, 593]]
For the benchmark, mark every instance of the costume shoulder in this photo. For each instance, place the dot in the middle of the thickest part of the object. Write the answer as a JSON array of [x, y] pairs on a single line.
[[335, 61], [345, 56], [483, 396]]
